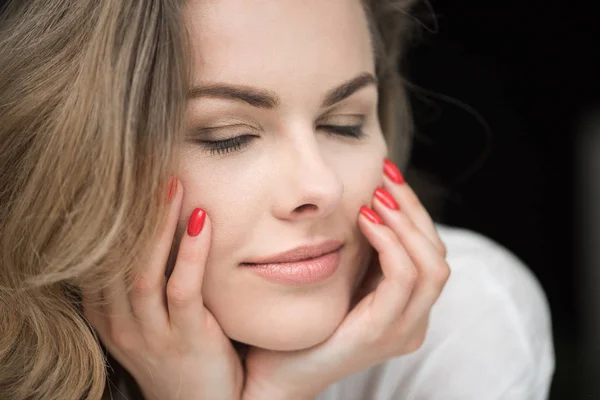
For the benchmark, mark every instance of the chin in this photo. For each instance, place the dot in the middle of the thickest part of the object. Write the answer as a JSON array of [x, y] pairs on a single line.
[[292, 323]]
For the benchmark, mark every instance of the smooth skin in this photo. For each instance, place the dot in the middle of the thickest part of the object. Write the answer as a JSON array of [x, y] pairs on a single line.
[[173, 346], [160, 331], [389, 321], [301, 176]]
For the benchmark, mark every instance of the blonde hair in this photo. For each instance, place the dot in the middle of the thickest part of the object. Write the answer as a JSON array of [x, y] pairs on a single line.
[[92, 100]]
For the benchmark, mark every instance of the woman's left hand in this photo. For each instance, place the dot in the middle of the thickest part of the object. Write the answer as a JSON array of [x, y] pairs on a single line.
[[389, 321]]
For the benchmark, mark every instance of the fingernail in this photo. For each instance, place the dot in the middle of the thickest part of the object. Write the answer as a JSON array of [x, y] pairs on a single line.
[[371, 215], [172, 185], [392, 172], [196, 222], [386, 198]]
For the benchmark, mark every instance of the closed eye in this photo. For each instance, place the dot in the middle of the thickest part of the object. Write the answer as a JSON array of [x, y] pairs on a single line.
[[228, 145], [353, 131], [237, 143]]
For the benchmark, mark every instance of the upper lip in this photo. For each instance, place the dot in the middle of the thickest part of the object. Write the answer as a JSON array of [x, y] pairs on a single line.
[[300, 253]]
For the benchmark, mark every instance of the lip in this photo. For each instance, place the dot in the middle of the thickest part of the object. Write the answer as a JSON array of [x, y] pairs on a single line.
[[299, 253], [303, 265]]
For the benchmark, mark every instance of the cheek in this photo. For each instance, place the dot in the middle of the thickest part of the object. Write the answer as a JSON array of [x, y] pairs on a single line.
[[228, 195], [221, 187], [362, 172]]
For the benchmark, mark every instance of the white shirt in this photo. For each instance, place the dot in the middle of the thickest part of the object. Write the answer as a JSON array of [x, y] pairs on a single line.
[[489, 336]]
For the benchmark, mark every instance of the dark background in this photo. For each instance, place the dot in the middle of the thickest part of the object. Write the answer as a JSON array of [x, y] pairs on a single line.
[[501, 87]]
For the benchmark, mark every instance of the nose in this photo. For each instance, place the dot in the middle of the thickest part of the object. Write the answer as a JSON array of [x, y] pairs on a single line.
[[308, 186]]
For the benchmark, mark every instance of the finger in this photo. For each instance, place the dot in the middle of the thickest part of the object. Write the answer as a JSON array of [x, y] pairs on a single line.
[[414, 209], [147, 296], [431, 267], [411, 205], [400, 275], [369, 282], [184, 289]]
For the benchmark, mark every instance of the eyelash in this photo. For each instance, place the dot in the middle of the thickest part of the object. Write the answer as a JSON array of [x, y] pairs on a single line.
[[225, 146], [351, 131]]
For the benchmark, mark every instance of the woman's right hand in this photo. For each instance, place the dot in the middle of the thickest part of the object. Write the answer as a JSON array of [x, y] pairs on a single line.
[[160, 331]]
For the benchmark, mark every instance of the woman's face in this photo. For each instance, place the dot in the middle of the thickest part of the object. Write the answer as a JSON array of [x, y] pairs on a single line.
[[298, 152]]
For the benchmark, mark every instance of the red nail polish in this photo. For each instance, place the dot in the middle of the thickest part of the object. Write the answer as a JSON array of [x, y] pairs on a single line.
[[196, 222], [371, 215], [172, 185], [386, 198], [392, 172]]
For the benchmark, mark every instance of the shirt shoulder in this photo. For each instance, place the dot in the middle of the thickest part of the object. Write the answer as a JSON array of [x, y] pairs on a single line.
[[480, 264], [489, 335]]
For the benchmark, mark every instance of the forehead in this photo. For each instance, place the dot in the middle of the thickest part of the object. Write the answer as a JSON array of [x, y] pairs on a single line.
[[278, 43]]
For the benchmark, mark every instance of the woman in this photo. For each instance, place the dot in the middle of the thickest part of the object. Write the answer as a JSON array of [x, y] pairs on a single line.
[[195, 178]]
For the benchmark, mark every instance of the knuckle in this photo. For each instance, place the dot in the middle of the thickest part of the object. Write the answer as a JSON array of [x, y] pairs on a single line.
[[389, 238], [187, 253], [441, 274], [122, 338], [142, 286], [415, 343], [178, 295], [404, 277], [409, 226], [413, 200], [410, 276], [374, 336], [404, 284]]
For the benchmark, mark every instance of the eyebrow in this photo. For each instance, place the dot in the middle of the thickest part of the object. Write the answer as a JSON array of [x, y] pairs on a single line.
[[262, 98]]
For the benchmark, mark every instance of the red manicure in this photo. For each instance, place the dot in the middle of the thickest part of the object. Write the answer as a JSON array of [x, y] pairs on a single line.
[[386, 198], [371, 215], [172, 184], [196, 222], [392, 172]]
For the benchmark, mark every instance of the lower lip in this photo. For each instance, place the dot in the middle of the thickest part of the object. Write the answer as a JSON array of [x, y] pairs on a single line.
[[304, 272]]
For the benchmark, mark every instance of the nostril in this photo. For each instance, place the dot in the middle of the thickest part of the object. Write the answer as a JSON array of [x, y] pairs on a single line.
[[305, 208]]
